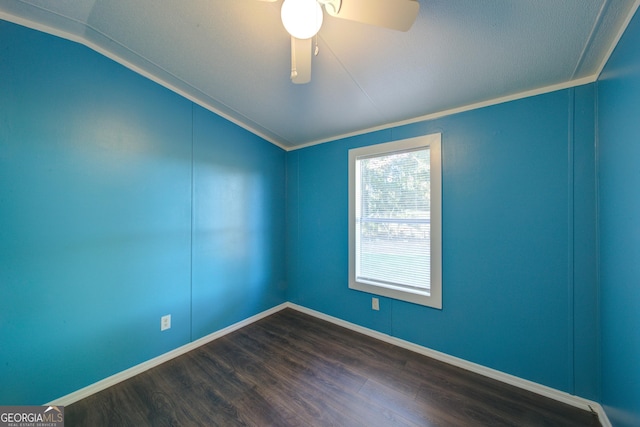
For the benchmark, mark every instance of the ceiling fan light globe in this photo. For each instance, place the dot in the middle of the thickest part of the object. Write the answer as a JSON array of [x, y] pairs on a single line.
[[301, 18]]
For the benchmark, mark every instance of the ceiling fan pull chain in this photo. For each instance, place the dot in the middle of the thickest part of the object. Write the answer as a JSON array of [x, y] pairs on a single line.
[[294, 71], [316, 50]]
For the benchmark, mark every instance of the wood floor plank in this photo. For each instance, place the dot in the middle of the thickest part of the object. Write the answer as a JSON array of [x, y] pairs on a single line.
[[326, 391], [291, 369]]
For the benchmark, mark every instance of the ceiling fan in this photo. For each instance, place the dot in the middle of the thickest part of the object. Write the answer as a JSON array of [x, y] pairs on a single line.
[[303, 18]]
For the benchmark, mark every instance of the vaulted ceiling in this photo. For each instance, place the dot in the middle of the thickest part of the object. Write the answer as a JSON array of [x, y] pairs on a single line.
[[233, 57]]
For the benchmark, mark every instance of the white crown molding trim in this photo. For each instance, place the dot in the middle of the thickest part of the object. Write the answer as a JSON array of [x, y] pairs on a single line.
[[199, 100], [145, 366], [617, 38], [540, 389], [141, 70], [437, 115], [521, 95]]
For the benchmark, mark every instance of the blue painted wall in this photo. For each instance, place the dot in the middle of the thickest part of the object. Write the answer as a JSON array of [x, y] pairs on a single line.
[[238, 224], [518, 240], [619, 170], [107, 223]]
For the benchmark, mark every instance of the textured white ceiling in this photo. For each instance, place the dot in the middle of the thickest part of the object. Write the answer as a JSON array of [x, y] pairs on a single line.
[[232, 56]]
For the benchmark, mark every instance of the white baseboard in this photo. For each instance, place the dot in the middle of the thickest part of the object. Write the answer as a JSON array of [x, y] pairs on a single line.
[[540, 389], [443, 357], [145, 366]]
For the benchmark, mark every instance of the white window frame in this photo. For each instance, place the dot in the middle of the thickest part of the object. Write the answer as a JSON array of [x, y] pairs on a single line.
[[433, 297]]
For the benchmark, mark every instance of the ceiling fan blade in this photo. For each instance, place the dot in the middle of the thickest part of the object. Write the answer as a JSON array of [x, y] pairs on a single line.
[[394, 14], [300, 60]]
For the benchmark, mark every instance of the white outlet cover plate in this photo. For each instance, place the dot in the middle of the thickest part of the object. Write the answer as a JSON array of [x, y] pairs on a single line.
[[165, 322]]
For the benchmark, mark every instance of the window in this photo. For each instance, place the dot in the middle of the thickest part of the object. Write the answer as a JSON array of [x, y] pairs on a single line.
[[395, 236]]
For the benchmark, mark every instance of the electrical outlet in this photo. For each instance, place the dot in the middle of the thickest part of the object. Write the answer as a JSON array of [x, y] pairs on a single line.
[[165, 322], [375, 304]]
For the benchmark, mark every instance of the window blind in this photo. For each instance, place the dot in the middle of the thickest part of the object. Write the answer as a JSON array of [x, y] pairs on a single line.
[[393, 226]]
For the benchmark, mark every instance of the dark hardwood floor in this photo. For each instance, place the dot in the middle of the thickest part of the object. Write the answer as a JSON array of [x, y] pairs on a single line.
[[291, 369]]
